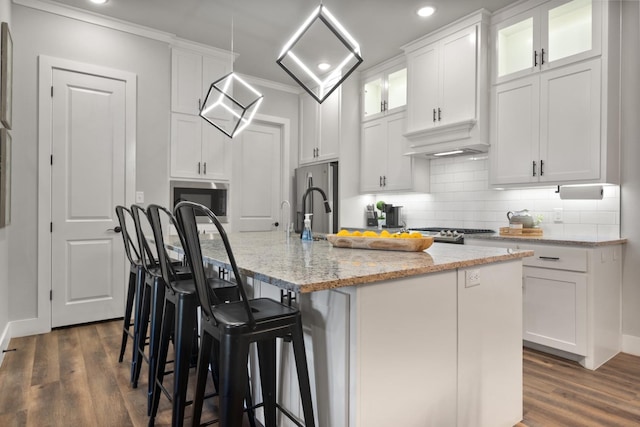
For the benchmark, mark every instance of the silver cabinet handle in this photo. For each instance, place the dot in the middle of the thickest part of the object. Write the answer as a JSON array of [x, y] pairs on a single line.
[[198, 168], [534, 168], [205, 168], [115, 229], [384, 181], [199, 104], [434, 115], [439, 114], [535, 58], [380, 180], [541, 167], [549, 258], [541, 63]]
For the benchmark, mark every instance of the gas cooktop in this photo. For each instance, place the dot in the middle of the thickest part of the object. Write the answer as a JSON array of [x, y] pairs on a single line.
[[448, 234]]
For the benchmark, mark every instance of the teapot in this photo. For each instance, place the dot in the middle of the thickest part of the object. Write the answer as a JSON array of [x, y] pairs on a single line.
[[521, 217]]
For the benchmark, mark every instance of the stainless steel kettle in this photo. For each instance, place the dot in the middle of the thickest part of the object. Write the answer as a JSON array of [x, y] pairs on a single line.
[[521, 217]]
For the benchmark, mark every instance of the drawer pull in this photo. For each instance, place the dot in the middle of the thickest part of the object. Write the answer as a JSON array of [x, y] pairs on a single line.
[[549, 258]]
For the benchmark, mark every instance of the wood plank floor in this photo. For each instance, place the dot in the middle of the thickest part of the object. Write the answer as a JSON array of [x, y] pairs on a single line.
[[71, 377]]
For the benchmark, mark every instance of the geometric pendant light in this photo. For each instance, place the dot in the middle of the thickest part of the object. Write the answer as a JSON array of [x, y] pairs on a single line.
[[230, 104], [310, 48]]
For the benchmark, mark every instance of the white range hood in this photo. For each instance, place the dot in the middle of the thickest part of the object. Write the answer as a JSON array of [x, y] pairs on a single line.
[[445, 140]]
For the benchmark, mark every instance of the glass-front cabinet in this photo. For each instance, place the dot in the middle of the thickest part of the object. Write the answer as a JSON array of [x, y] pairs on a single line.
[[385, 92], [553, 34]]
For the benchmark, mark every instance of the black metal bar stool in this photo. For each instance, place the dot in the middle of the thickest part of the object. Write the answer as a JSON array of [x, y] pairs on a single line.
[[134, 287], [180, 319], [151, 305], [234, 326]]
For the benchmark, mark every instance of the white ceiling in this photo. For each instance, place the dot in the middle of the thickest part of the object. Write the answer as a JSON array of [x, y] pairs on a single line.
[[261, 27]]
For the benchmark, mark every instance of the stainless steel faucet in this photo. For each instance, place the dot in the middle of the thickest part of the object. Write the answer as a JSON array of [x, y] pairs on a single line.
[[287, 224], [327, 208]]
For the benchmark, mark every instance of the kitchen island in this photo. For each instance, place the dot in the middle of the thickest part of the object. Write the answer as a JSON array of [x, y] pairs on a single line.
[[429, 338]]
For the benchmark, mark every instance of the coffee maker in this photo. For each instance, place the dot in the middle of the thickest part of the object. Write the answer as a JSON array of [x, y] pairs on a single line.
[[392, 214]]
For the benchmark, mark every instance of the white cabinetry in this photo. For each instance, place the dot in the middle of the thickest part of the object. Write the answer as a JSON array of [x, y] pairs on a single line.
[[572, 299], [447, 88], [555, 106], [198, 150], [320, 128], [550, 35], [384, 91], [383, 165]]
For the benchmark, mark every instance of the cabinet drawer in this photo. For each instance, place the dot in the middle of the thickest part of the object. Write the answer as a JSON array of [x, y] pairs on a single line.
[[555, 257]]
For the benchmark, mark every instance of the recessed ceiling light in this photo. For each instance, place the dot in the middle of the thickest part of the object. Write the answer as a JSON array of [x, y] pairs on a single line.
[[324, 66], [98, 1], [426, 11]]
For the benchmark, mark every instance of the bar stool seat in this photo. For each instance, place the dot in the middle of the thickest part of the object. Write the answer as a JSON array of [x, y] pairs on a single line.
[[235, 326]]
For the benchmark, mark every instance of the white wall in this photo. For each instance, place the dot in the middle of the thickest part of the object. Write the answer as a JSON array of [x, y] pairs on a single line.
[[41, 33], [5, 16], [630, 197]]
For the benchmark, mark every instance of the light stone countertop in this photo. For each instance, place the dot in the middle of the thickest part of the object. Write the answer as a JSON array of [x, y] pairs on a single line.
[[552, 240], [316, 266]]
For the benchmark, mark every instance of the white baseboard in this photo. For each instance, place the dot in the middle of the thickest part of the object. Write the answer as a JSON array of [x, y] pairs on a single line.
[[5, 337], [35, 326], [631, 344]]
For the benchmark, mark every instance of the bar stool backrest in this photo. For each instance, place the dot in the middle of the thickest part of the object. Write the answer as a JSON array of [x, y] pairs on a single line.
[[130, 248], [185, 213], [147, 256], [167, 268]]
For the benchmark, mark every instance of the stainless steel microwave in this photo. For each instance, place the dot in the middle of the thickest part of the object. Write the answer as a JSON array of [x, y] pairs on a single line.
[[213, 195]]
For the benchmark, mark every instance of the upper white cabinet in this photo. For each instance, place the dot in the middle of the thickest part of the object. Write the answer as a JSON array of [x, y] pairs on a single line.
[[320, 128], [447, 88], [198, 150], [384, 91], [556, 122], [191, 75], [547, 36]]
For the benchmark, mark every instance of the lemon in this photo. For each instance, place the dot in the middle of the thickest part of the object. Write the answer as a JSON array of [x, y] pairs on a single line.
[[404, 235], [415, 235], [343, 232], [356, 233], [385, 233], [370, 234]]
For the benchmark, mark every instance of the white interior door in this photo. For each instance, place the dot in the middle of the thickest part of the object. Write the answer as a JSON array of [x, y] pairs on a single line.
[[257, 177], [87, 182]]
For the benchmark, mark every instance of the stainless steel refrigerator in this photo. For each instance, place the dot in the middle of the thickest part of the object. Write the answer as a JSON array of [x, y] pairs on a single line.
[[325, 177]]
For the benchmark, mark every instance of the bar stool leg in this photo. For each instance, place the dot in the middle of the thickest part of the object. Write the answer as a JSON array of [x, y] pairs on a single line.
[[267, 361], [141, 334], [131, 290], [204, 360], [157, 308], [303, 373], [234, 355], [183, 344], [165, 338]]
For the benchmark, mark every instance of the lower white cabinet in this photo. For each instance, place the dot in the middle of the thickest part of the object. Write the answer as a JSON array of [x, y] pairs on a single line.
[[555, 309], [571, 299]]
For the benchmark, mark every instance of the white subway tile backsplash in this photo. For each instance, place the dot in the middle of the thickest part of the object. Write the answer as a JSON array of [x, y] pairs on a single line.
[[461, 197]]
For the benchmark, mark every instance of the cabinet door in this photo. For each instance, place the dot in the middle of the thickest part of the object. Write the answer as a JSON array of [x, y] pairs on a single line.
[[571, 32], [399, 173], [515, 129], [186, 81], [459, 64], [555, 309], [515, 43], [309, 116], [373, 154], [212, 69], [423, 92], [372, 96], [329, 146], [570, 123], [216, 153], [186, 139]]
